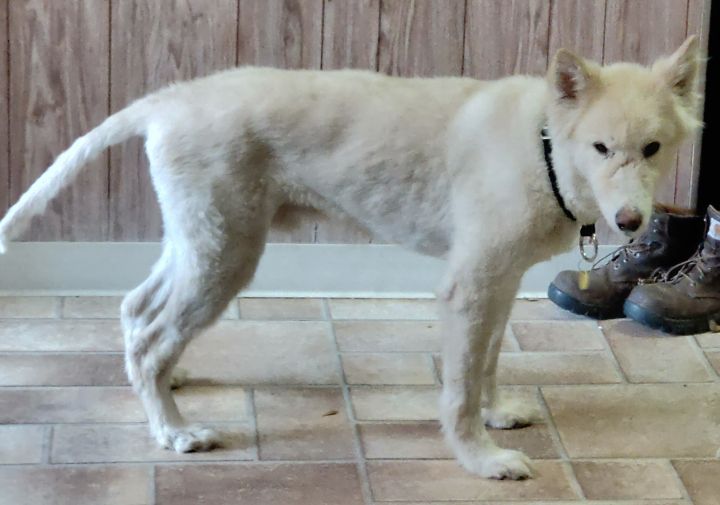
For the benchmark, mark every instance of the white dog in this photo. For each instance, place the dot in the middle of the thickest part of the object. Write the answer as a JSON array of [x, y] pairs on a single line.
[[451, 167]]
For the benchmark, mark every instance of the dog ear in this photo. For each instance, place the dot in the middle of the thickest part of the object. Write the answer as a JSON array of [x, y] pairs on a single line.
[[569, 75], [680, 70]]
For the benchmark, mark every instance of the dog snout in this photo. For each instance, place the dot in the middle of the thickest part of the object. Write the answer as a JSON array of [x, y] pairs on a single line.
[[629, 219]]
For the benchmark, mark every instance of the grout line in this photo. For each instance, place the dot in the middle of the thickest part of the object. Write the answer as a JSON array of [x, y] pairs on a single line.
[[252, 410], [357, 443], [679, 482], [181, 462], [152, 491], [510, 336], [47, 444], [435, 369], [557, 442], [700, 352], [343, 461], [611, 354]]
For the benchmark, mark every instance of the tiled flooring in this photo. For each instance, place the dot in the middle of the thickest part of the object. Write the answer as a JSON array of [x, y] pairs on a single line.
[[333, 402]]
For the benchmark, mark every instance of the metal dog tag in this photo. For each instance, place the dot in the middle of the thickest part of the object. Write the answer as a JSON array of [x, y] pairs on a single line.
[[588, 240], [584, 275]]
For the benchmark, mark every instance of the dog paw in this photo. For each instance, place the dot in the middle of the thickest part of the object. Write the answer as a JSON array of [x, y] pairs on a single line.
[[178, 378], [509, 414], [190, 439], [500, 464]]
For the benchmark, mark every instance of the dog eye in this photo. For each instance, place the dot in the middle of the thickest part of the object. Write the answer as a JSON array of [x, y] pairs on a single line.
[[651, 149], [601, 148]]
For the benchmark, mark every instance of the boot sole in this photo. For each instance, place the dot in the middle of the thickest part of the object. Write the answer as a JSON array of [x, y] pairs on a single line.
[[666, 324], [572, 304]]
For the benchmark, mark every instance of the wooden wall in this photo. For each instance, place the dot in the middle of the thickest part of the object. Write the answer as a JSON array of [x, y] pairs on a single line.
[[69, 63]]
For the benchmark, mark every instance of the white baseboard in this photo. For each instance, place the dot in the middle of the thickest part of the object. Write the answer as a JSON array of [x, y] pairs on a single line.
[[289, 270]]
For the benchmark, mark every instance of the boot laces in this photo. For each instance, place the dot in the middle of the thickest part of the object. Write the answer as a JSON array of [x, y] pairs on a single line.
[[692, 269], [623, 254]]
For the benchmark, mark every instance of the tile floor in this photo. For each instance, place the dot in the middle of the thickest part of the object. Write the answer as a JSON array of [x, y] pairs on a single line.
[[333, 402]]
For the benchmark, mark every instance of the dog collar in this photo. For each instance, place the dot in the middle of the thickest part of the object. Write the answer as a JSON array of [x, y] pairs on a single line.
[[587, 238], [586, 230]]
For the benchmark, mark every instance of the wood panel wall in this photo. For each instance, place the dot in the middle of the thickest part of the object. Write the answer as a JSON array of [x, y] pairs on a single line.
[[66, 64]]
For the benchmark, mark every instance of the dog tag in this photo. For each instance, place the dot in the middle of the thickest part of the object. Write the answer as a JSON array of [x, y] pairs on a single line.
[[588, 240], [584, 268], [584, 280]]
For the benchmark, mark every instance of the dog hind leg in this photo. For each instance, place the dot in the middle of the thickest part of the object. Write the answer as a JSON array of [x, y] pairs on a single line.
[[472, 311], [214, 239], [160, 318]]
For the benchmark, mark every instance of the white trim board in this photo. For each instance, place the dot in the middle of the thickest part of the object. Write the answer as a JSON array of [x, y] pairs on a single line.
[[287, 270]]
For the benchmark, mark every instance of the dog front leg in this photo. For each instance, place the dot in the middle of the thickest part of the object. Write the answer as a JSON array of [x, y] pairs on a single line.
[[499, 410], [473, 309]]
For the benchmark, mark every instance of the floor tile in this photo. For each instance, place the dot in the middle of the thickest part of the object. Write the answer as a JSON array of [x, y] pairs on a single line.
[[382, 309], [708, 339], [445, 480], [114, 404], [646, 357], [47, 369], [39, 307], [92, 307], [395, 403], [58, 335], [414, 403], [714, 359], [69, 405], [545, 502], [96, 485], [552, 368], [631, 328], [279, 309], [21, 444], [250, 352], [391, 368], [628, 421], [101, 443], [558, 335], [232, 311], [556, 368], [303, 424], [540, 310], [213, 404], [258, 484], [701, 479], [425, 441], [388, 336], [108, 307], [625, 480]]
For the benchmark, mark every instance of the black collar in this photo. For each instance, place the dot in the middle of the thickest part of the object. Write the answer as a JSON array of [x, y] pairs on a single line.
[[586, 230]]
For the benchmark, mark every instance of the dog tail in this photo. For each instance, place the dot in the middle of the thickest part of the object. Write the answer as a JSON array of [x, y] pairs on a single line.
[[117, 128]]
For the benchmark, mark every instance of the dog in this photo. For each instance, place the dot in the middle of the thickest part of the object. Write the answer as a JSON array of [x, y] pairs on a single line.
[[450, 167]]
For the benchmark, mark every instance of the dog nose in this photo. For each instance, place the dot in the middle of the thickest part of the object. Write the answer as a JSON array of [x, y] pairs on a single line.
[[628, 219]]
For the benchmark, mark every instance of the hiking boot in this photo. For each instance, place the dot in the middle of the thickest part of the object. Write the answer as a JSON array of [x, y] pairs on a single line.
[[671, 237], [686, 299]]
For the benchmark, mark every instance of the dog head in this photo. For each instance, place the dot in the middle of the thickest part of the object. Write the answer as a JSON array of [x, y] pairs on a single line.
[[618, 129]]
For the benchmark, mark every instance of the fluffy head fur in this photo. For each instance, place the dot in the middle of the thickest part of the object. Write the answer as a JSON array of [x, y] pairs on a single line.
[[606, 121]]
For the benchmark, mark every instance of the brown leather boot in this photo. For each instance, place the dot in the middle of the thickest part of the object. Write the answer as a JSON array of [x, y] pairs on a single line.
[[686, 300], [671, 237]]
